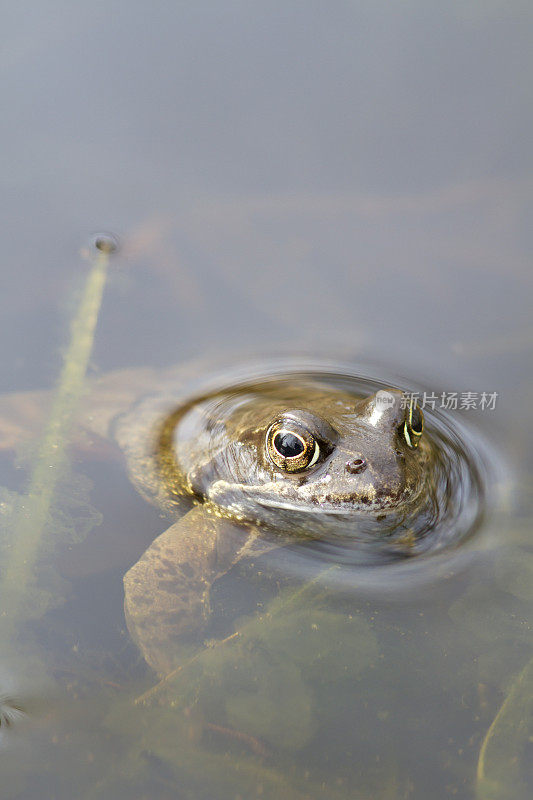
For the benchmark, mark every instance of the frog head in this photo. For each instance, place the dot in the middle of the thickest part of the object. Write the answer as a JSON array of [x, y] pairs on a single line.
[[302, 450]]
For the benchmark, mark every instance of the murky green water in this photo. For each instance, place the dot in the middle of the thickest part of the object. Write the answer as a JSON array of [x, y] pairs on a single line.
[[350, 181]]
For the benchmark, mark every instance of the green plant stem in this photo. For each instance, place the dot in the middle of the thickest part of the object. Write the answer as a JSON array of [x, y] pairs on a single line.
[[32, 516]]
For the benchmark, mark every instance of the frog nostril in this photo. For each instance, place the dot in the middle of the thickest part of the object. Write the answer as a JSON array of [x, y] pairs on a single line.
[[356, 465]]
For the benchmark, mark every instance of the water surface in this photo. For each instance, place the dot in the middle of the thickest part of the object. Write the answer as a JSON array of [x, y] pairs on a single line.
[[352, 179]]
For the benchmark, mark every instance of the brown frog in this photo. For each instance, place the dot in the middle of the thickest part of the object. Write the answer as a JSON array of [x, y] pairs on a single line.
[[260, 464]]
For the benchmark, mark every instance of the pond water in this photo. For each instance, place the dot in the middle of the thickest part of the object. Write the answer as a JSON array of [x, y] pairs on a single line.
[[346, 183]]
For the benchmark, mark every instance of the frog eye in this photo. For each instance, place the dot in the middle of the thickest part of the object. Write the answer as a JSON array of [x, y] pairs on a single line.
[[291, 446], [413, 425]]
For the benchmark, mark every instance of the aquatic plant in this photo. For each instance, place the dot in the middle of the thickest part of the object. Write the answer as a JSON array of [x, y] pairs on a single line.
[[30, 514]]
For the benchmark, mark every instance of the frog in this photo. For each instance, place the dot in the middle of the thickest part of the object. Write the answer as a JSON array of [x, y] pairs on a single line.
[[261, 463], [242, 468]]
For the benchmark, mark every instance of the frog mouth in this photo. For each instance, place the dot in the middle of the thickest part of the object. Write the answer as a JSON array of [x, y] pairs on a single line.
[[341, 507], [250, 501]]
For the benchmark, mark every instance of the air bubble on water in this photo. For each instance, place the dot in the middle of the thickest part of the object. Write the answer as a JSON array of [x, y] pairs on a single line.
[[106, 242]]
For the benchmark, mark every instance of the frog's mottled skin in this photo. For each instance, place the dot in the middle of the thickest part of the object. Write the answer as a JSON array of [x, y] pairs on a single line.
[[204, 462]]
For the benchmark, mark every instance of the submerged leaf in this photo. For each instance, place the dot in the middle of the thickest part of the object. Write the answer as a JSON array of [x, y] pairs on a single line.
[[264, 680], [505, 765]]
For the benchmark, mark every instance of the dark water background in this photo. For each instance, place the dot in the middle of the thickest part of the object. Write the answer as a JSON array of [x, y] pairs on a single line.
[[339, 176]]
